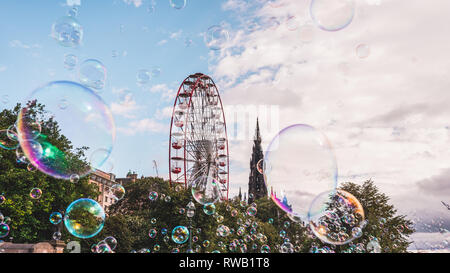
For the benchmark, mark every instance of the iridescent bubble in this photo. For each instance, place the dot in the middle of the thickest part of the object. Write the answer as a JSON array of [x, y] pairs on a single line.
[[209, 208], [84, 218], [67, 32], [103, 247], [206, 243], [70, 61], [336, 217], [265, 249], [111, 241], [332, 15], [143, 76], [362, 51], [177, 4], [2, 199], [153, 196], [251, 211], [74, 178], [299, 157], [92, 73], [153, 221], [164, 231], [205, 189], [373, 246], [6, 142], [87, 123], [180, 234], [35, 193], [260, 168], [287, 248], [55, 218], [216, 37], [118, 192], [31, 168], [152, 233], [223, 231], [156, 71], [57, 236]]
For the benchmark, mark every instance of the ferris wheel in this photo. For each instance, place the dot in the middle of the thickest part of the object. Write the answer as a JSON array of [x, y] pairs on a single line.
[[198, 144]]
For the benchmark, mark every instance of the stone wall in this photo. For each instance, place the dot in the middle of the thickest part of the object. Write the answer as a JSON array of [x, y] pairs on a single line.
[[43, 247]]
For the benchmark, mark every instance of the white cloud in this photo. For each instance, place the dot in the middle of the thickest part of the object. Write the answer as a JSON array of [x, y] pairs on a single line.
[[146, 125], [162, 42], [167, 93], [386, 115], [176, 35], [71, 3], [20, 44], [127, 106], [136, 3]]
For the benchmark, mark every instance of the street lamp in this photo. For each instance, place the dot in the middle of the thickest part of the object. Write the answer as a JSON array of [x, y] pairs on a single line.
[[190, 213]]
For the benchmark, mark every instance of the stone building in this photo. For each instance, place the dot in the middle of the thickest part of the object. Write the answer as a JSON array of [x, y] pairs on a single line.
[[256, 185]]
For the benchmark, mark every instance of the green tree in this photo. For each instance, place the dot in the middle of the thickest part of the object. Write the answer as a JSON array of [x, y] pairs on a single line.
[[30, 217], [130, 221]]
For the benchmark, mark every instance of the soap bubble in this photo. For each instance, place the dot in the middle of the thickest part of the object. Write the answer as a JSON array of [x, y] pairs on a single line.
[[4, 230], [56, 218], [205, 189], [152, 233], [84, 218], [35, 193], [118, 192], [143, 76], [92, 73], [2, 199], [67, 32], [7, 142], [251, 211], [336, 217], [209, 208], [215, 37], [373, 246], [156, 71], [332, 15], [362, 51], [260, 168], [177, 4], [223, 231], [299, 164], [265, 249], [70, 61], [111, 241], [180, 234], [88, 122], [153, 196], [74, 178], [103, 247], [57, 236]]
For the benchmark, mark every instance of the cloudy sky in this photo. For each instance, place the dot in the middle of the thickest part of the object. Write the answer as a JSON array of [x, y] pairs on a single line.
[[378, 88]]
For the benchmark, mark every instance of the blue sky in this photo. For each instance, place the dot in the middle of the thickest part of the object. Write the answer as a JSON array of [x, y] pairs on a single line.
[[141, 39]]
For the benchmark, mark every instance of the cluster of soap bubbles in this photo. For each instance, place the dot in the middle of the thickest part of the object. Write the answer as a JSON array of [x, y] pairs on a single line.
[[107, 245], [337, 217], [4, 225], [67, 31]]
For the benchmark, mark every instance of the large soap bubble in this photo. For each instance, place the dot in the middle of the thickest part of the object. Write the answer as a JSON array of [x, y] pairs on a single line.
[[205, 189], [67, 32], [84, 218], [85, 122], [332, 15], [336, 217], [299, 164]]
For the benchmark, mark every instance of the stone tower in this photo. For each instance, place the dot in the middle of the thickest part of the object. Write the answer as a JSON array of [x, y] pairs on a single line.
[[256, 185]]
